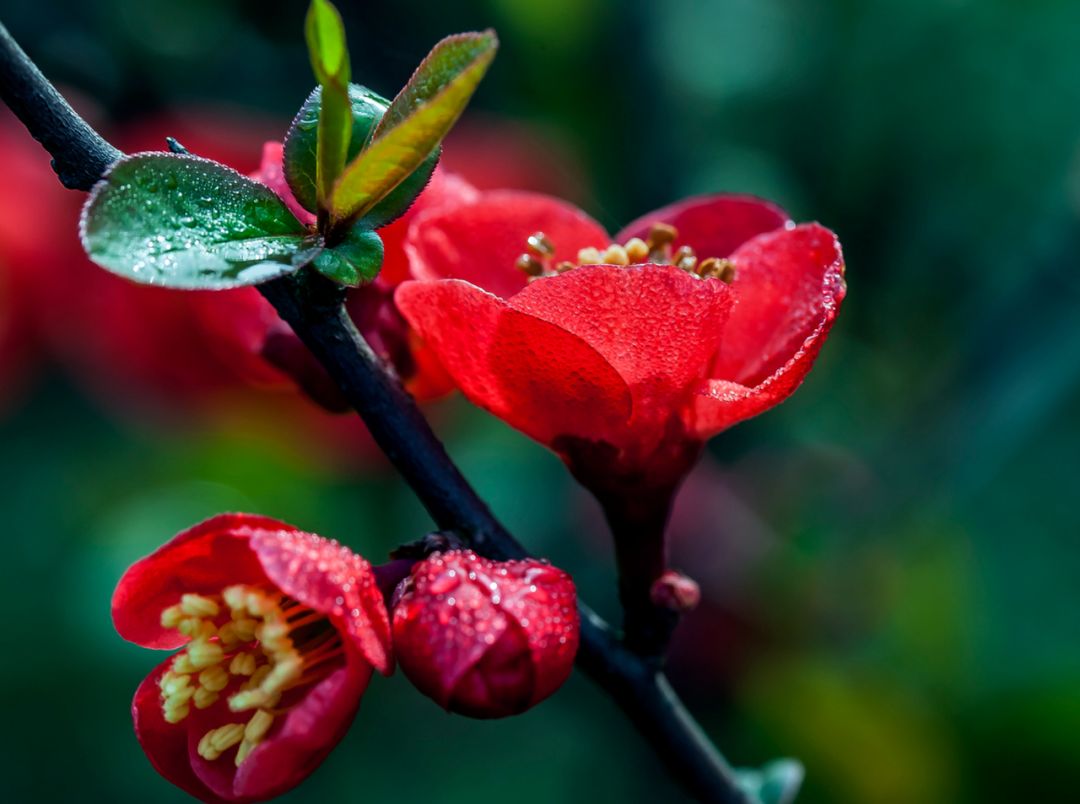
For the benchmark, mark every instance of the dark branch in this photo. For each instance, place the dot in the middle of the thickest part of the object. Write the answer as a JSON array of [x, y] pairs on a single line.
[[312, 305], [79, 153]]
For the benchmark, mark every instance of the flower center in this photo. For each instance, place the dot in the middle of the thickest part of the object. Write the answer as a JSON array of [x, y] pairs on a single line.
[[251, 631], [656, 249]]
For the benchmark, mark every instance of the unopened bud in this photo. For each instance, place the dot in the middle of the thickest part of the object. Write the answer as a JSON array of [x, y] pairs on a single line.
[[486, 639], [676, 592]]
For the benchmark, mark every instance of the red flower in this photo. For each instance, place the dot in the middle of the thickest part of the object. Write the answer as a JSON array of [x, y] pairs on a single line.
[[484, 638], [623, 369], [281, 632]]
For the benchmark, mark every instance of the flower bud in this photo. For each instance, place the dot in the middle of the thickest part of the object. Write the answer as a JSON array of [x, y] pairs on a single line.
[[483, 638], [676, 592]]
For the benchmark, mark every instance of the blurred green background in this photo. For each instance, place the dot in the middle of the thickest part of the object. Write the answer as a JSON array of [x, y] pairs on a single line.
[[889, 561]]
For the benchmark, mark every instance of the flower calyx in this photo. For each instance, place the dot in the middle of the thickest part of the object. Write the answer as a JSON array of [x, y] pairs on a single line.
[[656, 249]]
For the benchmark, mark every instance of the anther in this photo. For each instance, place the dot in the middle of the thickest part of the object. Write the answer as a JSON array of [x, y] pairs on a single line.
[[529, 265], [214, 678], [173, 713], [616, 255], [182, 664], [661, 234], [564, 266], [198, 606], [236, 599], [204, 697], [245, 629], [589, 256], [202, 654], [171, 683], [258, 726], [243, 664], [171, 617], [541, 244], [714, 268], [637, 250], [227, 634], [227, 736]]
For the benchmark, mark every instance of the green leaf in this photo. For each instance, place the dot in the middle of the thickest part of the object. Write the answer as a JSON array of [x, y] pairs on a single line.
[[301, 156], [326, 42], [186, 222], [330, 60], [417, 120], [355, 261]]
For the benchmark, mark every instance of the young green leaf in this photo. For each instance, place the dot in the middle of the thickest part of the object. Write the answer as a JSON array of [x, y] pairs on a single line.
[[417, 120], [185, 222], [300, 161], [355, 261], [330, 60]]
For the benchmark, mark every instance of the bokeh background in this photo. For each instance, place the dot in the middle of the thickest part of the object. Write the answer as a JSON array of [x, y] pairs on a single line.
[[889, 560]]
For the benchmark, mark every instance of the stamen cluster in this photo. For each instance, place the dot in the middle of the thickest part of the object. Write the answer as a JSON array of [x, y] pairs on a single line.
[[656, 249], [267, 639]]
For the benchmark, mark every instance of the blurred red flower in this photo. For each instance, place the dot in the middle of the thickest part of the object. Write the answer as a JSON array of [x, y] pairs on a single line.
[[486, 639], [281, 632]]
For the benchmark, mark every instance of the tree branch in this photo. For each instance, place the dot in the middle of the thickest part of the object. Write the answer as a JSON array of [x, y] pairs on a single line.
[[312, 305]]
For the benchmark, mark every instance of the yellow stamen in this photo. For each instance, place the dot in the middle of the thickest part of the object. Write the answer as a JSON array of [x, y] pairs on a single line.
[[236, 599], [258, 726], [181, 664], [174, 713], [564, 266], [589, 256], [198, 606], [189, 626], [661, 234], [243, 664], [245, 748], [529, 265], [227, 736], [171, 683], [637, 250], [203, 654], [205, 750], [714, 268], [245, 629], [616, 255], [171, 617], [204, 697], [214, 678]]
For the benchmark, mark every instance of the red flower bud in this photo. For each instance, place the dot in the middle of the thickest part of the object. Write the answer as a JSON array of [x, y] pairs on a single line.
[[676, 592], [484, 638]]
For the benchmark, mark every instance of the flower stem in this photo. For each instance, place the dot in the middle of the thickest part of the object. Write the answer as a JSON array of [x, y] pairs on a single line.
[[313, 307]]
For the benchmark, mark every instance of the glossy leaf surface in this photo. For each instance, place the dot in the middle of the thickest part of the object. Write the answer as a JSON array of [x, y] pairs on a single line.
[[185, 222], [417, 120]]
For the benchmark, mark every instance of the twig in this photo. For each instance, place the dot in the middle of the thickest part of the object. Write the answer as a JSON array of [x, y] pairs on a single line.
[[313, 307]]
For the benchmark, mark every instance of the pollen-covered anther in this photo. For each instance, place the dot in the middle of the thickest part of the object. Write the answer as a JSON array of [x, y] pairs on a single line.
[[564, 266], [243, 664], [216, 741], [204, 697], [637, 250], [661, 234], [590, 256], [615, 255], [199, 606]]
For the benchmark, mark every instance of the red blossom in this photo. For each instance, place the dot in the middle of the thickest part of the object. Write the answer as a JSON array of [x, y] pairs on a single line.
[[623, 369], [251, 600], [483, 638]]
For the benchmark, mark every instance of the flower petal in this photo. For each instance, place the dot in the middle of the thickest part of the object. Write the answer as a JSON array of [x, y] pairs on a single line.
[[717, 403], [331, 578], [202, 560], [788, 282], [713, 225], [657, 325], [533, 375], [480, 242], [166, 744]]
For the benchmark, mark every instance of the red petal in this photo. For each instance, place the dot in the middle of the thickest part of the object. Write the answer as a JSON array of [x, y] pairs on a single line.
[[331, 578], [713, 225], [788, 283], [237, 323], [657, 325], [720, 403], [535, 376], [480, 242], [201, 560], [445, 189], [166, 744], [292, 750]]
